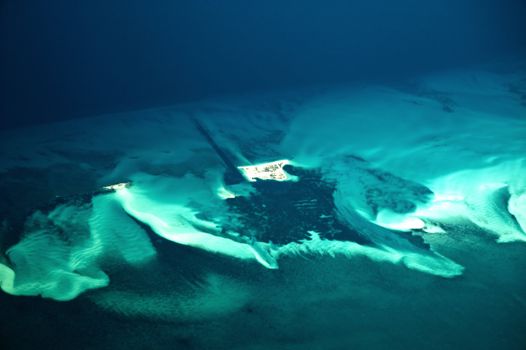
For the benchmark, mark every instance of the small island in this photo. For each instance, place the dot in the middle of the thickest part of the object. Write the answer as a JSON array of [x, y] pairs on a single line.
[[267, 171]]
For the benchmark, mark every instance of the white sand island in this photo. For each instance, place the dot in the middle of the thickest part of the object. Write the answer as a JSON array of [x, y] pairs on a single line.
[[267, 171]]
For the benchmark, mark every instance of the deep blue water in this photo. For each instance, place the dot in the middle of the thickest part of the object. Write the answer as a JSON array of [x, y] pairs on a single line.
[[396, 218], [65, 59]]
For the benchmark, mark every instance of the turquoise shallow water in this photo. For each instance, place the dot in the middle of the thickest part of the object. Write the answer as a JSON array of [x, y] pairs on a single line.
[[308, 303], [424, 185]]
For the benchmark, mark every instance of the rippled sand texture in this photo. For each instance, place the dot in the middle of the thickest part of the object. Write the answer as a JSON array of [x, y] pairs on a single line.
[[440, 162]]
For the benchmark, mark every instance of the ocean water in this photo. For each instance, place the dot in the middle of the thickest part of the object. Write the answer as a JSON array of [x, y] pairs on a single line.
[[291, 175]]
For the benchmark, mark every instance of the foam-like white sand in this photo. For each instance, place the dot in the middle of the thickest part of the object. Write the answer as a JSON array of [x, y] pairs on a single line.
[[477, 146], [460, 137], [62, 254]]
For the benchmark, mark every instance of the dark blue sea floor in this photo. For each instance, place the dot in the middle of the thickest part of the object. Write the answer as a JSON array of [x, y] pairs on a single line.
[[423, 184]]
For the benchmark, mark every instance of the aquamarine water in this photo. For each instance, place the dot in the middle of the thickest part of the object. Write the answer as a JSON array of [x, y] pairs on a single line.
[[434, 199], [283, 175]]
